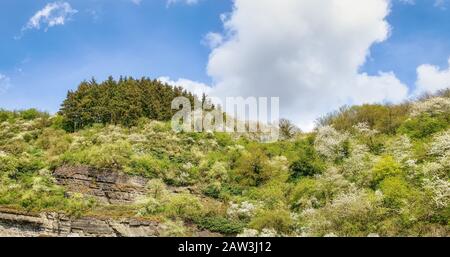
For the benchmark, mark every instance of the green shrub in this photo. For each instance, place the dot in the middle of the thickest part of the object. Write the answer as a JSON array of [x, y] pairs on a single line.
[[5, 115], [115, 155], [8, 164], [385, 167], [223, 139], [396, 191], [32, 114], [303, 191], [423, 126], [306, 166], [146, 165], [252, 168], [279, 220], [184, 206], [220, 224], [39, 193]]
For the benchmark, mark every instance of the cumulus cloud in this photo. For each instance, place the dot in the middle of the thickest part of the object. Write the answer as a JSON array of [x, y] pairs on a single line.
[[431, 78], [194, 87], [306, 52], [53, 14], [4, 83]]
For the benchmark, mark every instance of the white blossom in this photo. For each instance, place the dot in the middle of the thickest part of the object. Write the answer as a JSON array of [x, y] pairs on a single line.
[[329, 142], [364, 129], [432, 106], [242, 210], [441, 144], [440, 189]]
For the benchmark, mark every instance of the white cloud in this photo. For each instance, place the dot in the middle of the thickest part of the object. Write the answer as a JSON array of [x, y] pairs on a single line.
[[437, 3], [431, 78], [307, 52], [188, 2], [5, 83], [440, 3], [53, 14], [191, 86], [213, 40], [409, 1]]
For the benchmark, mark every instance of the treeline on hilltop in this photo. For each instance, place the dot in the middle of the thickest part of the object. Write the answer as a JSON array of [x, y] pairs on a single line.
[[119, 102], [391, 118]]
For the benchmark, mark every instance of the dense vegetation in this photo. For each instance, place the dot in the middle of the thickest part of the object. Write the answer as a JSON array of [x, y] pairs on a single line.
[[119, 102], [372, 169]]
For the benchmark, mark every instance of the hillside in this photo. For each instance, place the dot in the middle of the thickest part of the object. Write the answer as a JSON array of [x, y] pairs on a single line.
[[366, 170]]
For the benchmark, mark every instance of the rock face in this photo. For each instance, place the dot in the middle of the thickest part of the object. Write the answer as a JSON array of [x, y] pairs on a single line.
[[106, 185], [17, 224]]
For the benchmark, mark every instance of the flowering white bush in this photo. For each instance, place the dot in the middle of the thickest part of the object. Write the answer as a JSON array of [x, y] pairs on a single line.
[[137, 138], [218, 172], [363, 128], [279, 163], [249, 233], [432, 106], [243, 210], [266, 232], [440, 189], [330, 143], [400, 148], [347, 212], [332, 182], [441, 144], [433, 169], [357, 166]]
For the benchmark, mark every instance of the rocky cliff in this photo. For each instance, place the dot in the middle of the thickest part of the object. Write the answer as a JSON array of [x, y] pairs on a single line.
[[107, 186], [21, 224]]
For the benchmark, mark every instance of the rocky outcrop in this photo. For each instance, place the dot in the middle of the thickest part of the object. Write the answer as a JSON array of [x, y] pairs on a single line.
[[108, 186], [15, 223], [18, 224]]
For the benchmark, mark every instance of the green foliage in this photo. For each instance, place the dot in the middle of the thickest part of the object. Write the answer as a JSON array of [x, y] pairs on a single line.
[[279, 220], [423, 126], [396, 191], [119, 102], [220, 224], [147, 165], [308, 164], [385, 167], [5, 115], [8, 165], [32, 114], [375, 168], [384, 118], [38, 192], [185, 206], [306, 167], [252, 168], [115, 155], [304, 190]]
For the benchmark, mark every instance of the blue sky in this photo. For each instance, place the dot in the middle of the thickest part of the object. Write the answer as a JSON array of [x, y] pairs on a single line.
[[420, 34], [104, 38], [154, 38]]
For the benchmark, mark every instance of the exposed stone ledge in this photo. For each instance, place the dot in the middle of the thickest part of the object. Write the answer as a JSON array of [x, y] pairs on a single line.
[[14, 223], [108, 186]]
